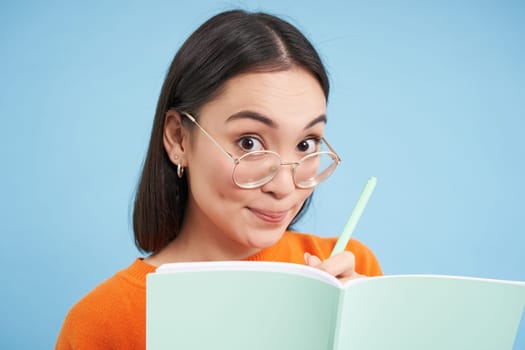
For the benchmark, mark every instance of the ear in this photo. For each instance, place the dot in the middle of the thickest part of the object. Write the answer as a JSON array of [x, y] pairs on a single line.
[[175, 137]]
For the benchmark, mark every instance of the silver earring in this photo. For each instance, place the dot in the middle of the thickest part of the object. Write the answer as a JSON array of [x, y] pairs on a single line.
[[180, 170]]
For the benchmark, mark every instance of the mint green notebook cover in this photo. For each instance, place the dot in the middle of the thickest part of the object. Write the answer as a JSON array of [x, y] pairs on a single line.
[[431, 313], [255, 305], [239, 310]]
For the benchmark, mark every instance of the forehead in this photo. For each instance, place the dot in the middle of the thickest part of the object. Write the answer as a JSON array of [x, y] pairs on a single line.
[[278, 95]]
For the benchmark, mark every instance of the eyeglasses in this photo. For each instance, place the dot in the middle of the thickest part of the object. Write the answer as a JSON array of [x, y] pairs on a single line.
[[257, 168]]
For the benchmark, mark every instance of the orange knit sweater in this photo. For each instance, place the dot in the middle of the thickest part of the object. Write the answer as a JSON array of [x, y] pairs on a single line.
[[113, 315]]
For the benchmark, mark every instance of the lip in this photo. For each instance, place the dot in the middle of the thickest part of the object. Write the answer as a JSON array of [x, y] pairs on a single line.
[[270, 216]]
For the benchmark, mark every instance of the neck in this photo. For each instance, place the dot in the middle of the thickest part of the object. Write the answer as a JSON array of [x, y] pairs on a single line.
[[200, 241]]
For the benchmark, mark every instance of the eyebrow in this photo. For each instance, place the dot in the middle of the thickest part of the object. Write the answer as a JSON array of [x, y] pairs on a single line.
[[252, 115], [319, 119], [267, 121]]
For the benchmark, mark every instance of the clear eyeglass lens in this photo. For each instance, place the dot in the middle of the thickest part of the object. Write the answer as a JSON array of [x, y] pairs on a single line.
[[314, 169], [257, 168]]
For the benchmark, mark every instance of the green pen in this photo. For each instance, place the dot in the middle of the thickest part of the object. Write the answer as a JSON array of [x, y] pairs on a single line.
[[354, 216]]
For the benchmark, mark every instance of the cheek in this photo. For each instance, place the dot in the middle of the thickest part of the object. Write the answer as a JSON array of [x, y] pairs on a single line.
[[215, 174], [308, 192], [220, 175], [304, 194]]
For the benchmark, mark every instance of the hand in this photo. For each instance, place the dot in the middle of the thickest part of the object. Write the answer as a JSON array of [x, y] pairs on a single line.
[[341, 266]]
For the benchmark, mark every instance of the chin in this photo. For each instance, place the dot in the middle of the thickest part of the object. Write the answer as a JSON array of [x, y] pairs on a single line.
[[264, 239]]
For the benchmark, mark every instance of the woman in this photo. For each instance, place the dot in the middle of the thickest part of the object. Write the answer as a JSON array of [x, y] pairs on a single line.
[[236, 150]]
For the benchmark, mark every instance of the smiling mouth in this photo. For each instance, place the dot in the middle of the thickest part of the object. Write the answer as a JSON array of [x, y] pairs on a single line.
[[273, 217]]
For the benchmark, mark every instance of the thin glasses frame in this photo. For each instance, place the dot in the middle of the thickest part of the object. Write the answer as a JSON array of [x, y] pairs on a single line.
[[332, 154]]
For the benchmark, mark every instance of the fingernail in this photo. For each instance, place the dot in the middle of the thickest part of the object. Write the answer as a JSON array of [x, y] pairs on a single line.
[[307, 257]]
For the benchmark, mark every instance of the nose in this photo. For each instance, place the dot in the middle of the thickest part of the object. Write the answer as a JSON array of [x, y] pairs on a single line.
[[282, 184]]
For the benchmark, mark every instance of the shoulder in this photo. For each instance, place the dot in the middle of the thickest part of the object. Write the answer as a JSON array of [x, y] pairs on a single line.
[[366, 261], [92, 319], [127, 283]]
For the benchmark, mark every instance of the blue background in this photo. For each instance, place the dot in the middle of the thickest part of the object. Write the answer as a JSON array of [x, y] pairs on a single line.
[[427, 96]]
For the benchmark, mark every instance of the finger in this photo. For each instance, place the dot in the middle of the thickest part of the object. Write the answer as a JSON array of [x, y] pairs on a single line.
[[311, 260], [354, 276], [340, 265]]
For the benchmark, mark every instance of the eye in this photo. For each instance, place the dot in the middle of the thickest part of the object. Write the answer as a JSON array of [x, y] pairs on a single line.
[[250, 144], [309, 145]]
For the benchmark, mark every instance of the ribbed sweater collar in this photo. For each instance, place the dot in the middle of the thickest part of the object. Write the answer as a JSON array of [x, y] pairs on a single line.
[[137, 271]]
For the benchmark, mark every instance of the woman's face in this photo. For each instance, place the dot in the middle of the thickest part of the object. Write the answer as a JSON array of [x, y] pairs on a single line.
[[278, 111]]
